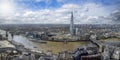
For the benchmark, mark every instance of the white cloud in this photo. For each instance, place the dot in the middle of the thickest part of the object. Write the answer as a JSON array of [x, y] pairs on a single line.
[[83, 14], [46, 1], [39, 0], [60, 0], [6, 7]]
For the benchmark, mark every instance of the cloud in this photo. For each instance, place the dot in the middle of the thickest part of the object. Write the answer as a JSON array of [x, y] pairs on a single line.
[[6, 7], [60, 1], [115, 16], [46, 1], [89, 13]]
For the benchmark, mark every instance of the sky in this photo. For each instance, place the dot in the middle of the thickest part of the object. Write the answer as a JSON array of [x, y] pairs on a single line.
[[59, 11]]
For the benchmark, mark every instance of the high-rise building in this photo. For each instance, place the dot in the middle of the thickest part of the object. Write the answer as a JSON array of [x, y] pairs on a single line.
[[72, 24]]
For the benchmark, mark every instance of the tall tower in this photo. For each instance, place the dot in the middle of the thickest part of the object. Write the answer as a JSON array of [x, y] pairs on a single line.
[[72, 24]]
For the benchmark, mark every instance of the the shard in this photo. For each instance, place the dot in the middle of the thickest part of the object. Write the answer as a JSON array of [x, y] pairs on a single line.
[[72, 24]]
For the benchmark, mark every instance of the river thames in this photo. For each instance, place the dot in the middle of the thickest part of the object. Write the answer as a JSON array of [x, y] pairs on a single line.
[[55, 47]]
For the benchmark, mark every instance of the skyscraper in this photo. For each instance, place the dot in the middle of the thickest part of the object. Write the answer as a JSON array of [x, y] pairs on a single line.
[[72, 24]]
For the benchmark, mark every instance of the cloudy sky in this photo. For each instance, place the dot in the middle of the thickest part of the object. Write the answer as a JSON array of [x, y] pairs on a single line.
[[58, 11]]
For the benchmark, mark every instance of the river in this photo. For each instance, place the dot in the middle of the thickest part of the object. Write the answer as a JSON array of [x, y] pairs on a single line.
[[55, 47]]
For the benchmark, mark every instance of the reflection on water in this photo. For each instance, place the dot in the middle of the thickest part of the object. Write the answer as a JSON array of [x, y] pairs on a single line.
[[23, 40], [54, 46]]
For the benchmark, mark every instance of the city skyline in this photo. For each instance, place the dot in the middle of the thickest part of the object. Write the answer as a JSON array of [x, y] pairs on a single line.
[[58, 11]]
